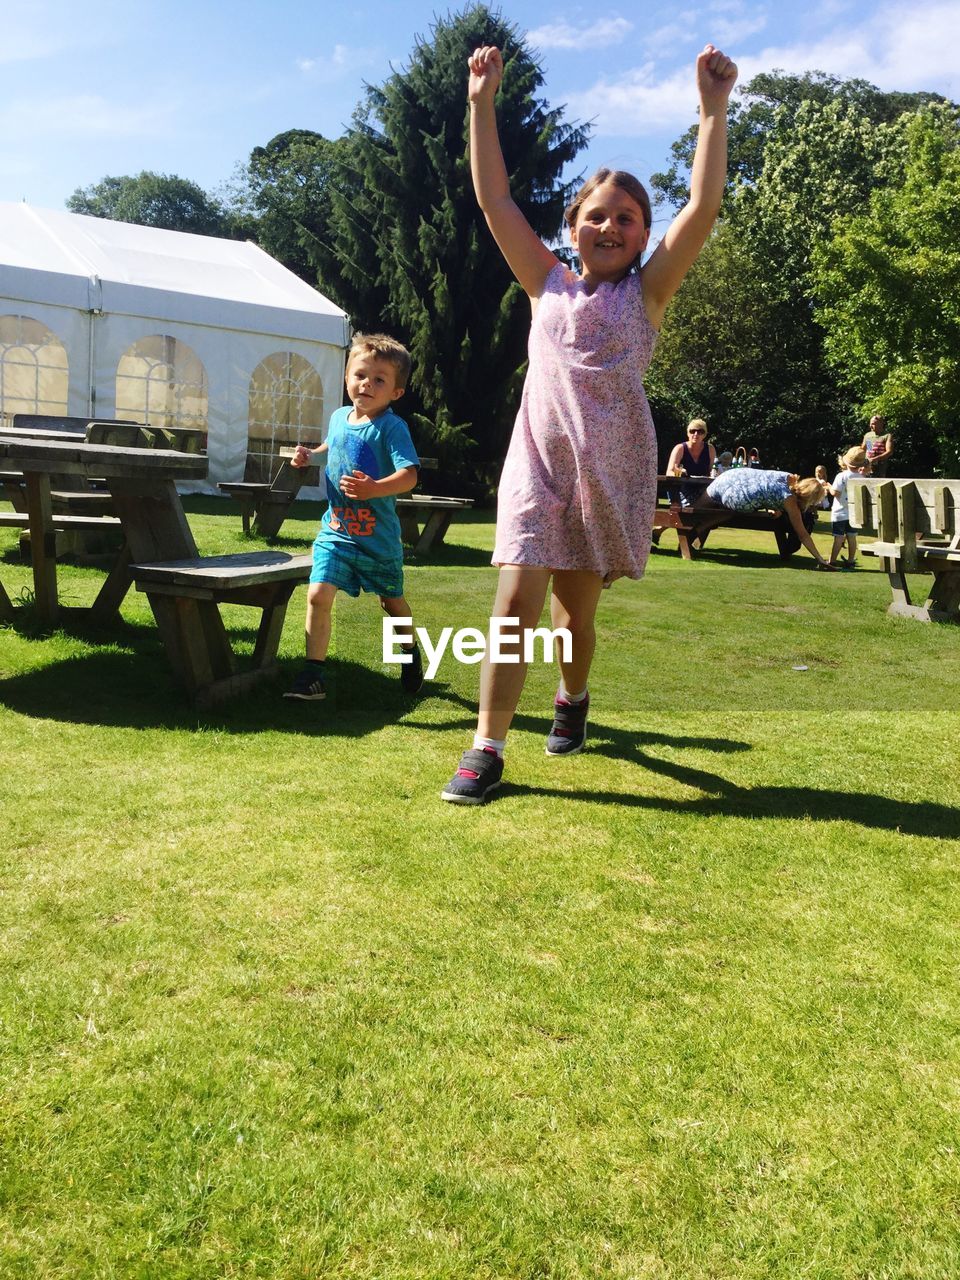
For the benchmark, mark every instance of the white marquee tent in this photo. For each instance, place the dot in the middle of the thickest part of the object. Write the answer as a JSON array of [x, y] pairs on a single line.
[[107, 319]]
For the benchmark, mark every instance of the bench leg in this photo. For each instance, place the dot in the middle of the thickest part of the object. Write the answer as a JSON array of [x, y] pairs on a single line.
[[434, 531], [113, 592], [43, 546], [943, 603], [194, 638], [901, 606], [684, 542], [271, 627], [6, 608], [409, 529], [270, 517]]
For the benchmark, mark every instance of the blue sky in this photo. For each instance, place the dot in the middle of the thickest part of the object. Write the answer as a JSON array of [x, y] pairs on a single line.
[[106, 87]]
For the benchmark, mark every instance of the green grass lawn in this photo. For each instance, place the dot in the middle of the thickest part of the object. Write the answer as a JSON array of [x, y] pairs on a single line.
[[683, 1007]]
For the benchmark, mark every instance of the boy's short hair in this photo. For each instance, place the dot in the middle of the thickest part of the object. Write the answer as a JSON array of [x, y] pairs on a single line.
[[385, 348], [853, 458]]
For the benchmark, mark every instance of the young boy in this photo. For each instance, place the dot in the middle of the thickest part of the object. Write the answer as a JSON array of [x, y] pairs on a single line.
[[853, 463], [370, 459]]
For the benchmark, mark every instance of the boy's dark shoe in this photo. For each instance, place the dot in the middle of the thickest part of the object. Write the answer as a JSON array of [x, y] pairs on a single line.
[[309, 686], [411, 673], [569, 730], [478, 775]]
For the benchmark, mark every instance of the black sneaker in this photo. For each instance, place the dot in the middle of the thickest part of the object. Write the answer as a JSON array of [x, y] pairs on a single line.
[[411, 673], [478, 774], [569, 730], [309, 685]]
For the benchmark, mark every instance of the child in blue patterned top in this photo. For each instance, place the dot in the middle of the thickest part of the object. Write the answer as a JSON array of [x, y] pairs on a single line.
[[370, 459]]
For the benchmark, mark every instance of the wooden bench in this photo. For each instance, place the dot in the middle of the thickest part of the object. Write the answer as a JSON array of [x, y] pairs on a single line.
[[425, 519], [184, 595], [139, 435], [918, 528], [264, 507]]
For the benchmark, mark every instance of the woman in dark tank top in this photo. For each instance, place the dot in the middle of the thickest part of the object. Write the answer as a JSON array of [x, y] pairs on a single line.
[[694, 457]]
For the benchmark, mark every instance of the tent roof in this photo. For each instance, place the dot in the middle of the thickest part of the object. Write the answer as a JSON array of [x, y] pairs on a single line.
[[94, 264]]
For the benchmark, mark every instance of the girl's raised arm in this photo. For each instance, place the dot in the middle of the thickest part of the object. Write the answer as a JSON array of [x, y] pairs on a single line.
[[527, 256], [687, 234]]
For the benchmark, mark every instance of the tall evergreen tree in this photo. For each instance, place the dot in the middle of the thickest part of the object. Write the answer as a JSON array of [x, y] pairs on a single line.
[[408, 249]]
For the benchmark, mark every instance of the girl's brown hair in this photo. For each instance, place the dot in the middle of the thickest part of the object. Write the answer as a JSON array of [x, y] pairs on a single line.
[[620, 178]]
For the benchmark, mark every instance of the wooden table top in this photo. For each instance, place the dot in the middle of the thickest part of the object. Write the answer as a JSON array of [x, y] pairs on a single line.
[[76, 456]]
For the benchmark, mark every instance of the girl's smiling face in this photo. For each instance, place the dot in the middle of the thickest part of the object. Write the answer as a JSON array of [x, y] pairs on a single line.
[[609, 234]]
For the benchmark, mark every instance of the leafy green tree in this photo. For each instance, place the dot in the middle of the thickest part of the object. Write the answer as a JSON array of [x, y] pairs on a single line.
[[406, 247], [820, 161], [153, 200], [731, 351], [284, 196], [887, 286], [767, 105]]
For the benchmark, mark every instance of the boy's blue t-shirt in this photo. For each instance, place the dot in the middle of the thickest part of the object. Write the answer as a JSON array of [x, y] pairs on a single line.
[[378, 448]]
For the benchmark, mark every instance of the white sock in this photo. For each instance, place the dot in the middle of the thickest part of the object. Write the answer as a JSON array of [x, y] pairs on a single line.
[[563, 695], [495, 744]]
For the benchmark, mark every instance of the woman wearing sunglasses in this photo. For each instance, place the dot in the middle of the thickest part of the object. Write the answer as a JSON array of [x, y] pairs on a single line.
[[693, 457]]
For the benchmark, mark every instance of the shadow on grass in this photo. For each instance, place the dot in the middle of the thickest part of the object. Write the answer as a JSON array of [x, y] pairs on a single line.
[[739, 557], [721, 798], [130, 685], [450, 555], [905, 817]]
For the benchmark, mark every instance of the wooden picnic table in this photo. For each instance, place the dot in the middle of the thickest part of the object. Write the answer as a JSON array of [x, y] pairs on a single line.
[[693, 524], [143, 493], [160, 555]]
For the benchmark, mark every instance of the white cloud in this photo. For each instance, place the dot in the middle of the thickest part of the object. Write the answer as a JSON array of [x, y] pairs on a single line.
[[589, 35], [82, 116], [726, 33], [341, 60], [894, 48], [637, 103]]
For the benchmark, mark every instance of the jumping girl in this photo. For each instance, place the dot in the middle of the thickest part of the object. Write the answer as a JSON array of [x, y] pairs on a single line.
[[576, 497]]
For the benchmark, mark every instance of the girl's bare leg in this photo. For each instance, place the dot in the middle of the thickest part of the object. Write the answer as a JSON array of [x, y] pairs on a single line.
[[573, 605], [520, 594]]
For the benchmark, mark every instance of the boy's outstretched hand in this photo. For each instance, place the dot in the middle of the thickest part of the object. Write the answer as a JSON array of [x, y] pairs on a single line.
[[358, 485], [716, 76], [486, 72]]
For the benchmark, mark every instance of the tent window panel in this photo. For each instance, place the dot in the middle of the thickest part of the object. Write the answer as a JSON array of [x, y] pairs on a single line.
[[34, 369], [162, 382], [284, 407]]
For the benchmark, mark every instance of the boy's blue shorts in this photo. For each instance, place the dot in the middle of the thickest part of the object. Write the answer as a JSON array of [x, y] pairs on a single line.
[[840, 528], [353, 570]]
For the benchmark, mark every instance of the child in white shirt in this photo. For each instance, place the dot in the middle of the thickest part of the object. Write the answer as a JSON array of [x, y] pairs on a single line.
[[853, 463]]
